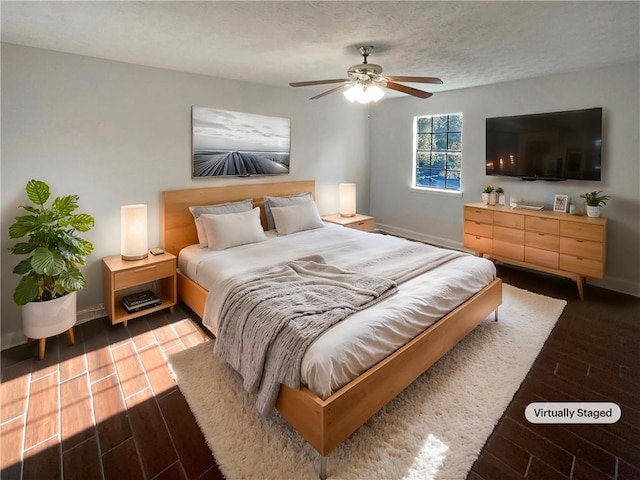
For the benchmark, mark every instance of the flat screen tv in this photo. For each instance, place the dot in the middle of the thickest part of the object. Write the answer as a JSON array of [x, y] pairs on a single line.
[[546, 146]]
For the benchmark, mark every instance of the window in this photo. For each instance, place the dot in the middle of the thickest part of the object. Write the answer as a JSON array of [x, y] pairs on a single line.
[[438, 147]]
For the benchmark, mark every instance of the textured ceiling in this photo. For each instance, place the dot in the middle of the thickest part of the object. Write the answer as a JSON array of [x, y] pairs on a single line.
[[464, 43]]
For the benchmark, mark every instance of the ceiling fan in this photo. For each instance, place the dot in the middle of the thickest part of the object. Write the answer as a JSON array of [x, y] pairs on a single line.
[[364, 80]]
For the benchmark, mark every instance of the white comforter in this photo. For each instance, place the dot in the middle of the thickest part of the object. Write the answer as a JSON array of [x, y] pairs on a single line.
[[357, 343]]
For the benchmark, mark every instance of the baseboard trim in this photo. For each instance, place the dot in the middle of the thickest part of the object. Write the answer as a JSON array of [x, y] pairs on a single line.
[[13, 339], [617, 285], [420, 237]]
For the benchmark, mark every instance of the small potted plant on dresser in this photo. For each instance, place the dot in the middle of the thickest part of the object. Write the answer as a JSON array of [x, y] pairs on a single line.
[[50, 272], [489, 195], [594, 200], [499, 191]]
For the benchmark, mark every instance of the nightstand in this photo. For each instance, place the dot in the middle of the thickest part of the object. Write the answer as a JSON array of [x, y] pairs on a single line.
[[122, 277], [358, 222]]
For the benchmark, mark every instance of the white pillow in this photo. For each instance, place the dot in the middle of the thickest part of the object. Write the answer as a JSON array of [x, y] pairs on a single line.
[[232, 229], [218, 209], [270, 202], [296, 218]]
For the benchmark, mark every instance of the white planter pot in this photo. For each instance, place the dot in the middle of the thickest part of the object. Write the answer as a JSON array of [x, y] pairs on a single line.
[[492, 198], [593, 211], [47, 319], [485, 198]]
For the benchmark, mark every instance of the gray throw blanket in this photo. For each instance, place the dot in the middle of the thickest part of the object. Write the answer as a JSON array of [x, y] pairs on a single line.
[[272, 315]]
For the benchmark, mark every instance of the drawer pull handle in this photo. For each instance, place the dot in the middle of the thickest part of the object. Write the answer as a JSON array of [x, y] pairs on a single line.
[[579, 241], [141, 269], [541, 234], [579, 258], [477, 238]]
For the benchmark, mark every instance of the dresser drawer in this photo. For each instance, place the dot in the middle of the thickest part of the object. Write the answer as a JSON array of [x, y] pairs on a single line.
[[512, 220], [544, 225], [143, 274], [582, 230], [478, 215], [368, 225], [508, 250], [476, 228], [511, 235], [477, 243], [544, 258], [583, 266], [582, 248], [542, 240]]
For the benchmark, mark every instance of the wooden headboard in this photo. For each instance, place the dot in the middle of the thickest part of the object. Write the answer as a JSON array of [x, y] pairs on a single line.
[[178, 226]]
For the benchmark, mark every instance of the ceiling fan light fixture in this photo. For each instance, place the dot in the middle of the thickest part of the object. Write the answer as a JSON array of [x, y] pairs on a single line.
[[363, 93], [364, 80]]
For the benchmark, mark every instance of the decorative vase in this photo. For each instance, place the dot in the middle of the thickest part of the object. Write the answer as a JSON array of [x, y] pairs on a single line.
[[492, 198], [485, 198], [46, 319], [593, 211]]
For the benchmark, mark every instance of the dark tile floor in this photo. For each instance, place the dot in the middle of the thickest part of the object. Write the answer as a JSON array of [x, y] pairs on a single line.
[[108, 408], [592, 354], [105, 407]]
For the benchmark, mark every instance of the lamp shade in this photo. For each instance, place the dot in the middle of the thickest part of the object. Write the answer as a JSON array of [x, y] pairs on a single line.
[[133, 231], [347, 199]]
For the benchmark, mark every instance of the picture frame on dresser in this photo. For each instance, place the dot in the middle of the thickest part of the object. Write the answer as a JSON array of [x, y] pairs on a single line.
[[561, 203]]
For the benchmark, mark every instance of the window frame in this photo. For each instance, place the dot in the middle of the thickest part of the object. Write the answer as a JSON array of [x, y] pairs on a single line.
[[416, 153]]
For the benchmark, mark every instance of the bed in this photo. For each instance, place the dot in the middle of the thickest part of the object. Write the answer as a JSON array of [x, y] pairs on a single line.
[[323, 418]]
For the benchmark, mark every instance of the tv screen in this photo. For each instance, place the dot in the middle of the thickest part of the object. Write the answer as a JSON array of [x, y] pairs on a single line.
[[546, 146]]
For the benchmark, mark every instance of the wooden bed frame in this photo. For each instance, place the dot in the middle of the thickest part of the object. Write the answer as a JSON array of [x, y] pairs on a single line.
[[327, 423]]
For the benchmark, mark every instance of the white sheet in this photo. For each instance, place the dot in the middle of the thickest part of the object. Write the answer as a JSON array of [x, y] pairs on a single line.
[[359, 342]]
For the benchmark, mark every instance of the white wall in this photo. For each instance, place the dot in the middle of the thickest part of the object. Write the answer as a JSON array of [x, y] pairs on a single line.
[[438, 218], [116, 133]]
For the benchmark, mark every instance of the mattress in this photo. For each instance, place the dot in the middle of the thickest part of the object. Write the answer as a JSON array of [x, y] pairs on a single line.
[[357, 343]]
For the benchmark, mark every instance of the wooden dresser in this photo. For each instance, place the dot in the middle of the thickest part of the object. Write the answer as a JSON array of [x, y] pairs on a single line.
[[559, 243]]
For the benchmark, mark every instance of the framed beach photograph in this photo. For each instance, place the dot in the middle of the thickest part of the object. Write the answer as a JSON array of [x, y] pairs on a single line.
[[561, 203], [238, 144]]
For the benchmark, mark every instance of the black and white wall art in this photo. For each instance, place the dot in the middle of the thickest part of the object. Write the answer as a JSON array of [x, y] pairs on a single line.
[[238, 144]]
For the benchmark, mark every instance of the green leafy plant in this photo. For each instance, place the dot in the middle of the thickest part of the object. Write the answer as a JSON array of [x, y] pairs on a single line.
[[54, 250], [595, 199], [487, 189], [499, 191]]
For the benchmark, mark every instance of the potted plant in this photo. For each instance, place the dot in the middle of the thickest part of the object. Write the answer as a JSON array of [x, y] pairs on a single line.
[[50, 272], [500, 195], [594, 200], [488, 195]]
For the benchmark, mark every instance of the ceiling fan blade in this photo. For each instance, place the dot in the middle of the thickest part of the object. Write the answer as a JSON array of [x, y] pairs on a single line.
[[415, 79], [410, 90], [334, 89], [317, 82]]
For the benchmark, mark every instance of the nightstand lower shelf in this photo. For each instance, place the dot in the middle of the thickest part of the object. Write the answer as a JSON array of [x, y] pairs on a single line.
[[121, 316], [122, 277]]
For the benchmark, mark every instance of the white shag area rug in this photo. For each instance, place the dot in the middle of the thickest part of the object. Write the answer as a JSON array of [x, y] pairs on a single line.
[[435, 429]]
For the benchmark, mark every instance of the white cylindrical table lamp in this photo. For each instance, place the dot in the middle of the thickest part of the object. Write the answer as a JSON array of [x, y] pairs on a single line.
[[347, 199], [133, 224]]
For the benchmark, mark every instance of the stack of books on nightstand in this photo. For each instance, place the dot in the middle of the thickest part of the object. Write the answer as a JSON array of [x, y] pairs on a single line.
[[140, 301]]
